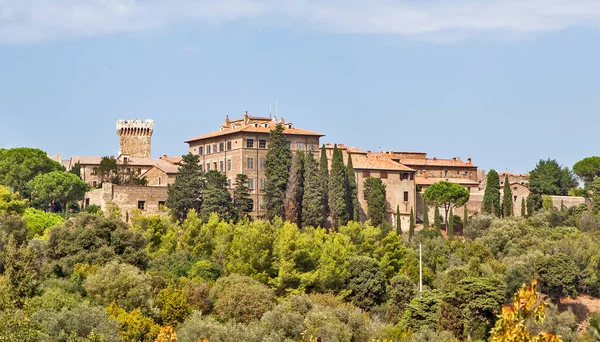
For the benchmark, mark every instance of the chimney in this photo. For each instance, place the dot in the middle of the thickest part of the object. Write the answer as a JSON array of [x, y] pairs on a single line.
[[434, 158], [227, 120], [469, 160], [246, 118], [454, 158]]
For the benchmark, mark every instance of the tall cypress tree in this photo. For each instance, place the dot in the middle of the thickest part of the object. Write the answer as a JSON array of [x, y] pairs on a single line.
[[295, 190], [437, 218], [338, 188], [425, 216], [398, 221], [466, 217], [216, 197], [324, 178], [277, 171], [522, 206], [312, 201], [507, 201], [352, 192], [411, 225], [375, 195], [241, 196], [186, 192], [450, 225], [491, 197]]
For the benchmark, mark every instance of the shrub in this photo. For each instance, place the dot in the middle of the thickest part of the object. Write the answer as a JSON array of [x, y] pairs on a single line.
[[244, 302]]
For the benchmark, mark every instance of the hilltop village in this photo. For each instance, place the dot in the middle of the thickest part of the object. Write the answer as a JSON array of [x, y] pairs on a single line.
[[239, 146]]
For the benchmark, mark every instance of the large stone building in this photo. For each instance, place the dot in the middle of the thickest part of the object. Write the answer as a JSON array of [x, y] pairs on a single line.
[[135, 138], [240, 147]]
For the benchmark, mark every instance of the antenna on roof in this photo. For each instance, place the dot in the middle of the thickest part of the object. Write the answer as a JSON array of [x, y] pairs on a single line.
[[270, 105], [276, 107]]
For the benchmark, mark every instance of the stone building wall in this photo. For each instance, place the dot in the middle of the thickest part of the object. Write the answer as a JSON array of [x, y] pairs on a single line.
[[135, 137], [128, 197]]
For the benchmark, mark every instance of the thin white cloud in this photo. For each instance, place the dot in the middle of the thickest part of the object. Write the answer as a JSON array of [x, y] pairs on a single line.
[[38, 20]]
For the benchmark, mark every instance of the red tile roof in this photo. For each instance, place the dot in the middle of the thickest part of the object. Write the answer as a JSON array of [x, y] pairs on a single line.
[[172, 160], [256, 127], [435, 162], [370, 163]]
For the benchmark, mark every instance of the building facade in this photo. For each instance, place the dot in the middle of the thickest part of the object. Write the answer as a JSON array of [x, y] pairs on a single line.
[[135, 138], [240, 147]]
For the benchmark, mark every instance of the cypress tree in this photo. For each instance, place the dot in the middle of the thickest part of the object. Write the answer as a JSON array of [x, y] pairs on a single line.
[[324, 179], [277, 172], [352, 192], [437, 218], [241, 196], [216, 197], [450, 225], [507, 201], [411, 225], [338, 188], [466, 217], [295, 190], [491, 197], [312, 201], [522, 206], [398, 221], [186, 192], [425, 216], [375, 195]]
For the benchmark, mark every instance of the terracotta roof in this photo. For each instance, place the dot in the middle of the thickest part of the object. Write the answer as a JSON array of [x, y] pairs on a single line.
[[513, 174], [378, 164], [435, 162], [172, 160], [85, 160], [351, 149], [461, 181], [257, 127], [166, 167]]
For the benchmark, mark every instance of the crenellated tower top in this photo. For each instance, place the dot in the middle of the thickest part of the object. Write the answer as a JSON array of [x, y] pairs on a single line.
[[135, 137]]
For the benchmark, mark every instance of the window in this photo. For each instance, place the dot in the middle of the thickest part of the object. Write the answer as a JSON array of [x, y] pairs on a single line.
[[412, 176], [142, 205], [221, 147], [229, 182], [201, 150], [159, 180], [446, 173], [262, 184], [251, 184], [405, 176], [249, 143], [221, 166], [207, 149], [250, 163], [228, 164], [214, 165], [94, 184], [228, 145], [207, 166], [261, 162], [466, 173], [215, 148], [515, 198], [311, 147], [87, 202], [515, 187], [383, 175], [262, 144], [366, 174], [405, 196], [289, 144], [299, 145], [161, 203]]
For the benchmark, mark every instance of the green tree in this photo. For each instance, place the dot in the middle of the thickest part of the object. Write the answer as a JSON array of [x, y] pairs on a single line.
[[550, 178], [324, 177], [186, 192], [20, 280], [216, 198], [401, 291], [10, 202], [491, 196], [241, 196], [558, 276], [587, 169], [352, 191], [437, 218], [107, 170], [507, 200], [173, 305], [20, 165], [57, 187], [38, 221], [450, 225], [465, 217], [242, 301], [313, 210], [277, 171], [76, 170], [446, 194], [425, 216], [411, 225], [367, 282], [133, 325], [338, 188], [398, 221], [295, 190], [375, 195], [523, 207], [595, 188]]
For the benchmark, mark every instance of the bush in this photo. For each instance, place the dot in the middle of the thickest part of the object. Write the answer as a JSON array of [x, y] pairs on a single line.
[[478, 225], [37, 221], [198, 327], [244, 302], [205, 269]]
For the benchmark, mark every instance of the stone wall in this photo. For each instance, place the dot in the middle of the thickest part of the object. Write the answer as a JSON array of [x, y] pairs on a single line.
[[135, 137], [128, 197]]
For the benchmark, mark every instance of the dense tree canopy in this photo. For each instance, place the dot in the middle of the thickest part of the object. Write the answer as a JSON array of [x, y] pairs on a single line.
[[186, 192], [277, 171], [20, 165], [446, 194], [57, 186], [491, 197], [587, 168], [550, 178], [374, 194]]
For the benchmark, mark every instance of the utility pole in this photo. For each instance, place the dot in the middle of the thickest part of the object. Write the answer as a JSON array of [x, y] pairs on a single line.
[[420, 270]]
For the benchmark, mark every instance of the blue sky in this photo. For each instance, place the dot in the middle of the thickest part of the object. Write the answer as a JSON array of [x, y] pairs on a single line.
[[505, 82]]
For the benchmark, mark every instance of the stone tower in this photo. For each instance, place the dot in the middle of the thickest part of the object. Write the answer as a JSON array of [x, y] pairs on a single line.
[[135, 137]]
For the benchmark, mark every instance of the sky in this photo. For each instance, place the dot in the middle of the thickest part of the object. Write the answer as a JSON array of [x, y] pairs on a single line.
[[505, 82]]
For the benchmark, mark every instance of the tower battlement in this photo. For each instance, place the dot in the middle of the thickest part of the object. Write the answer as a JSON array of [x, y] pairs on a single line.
[[135, 137]]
